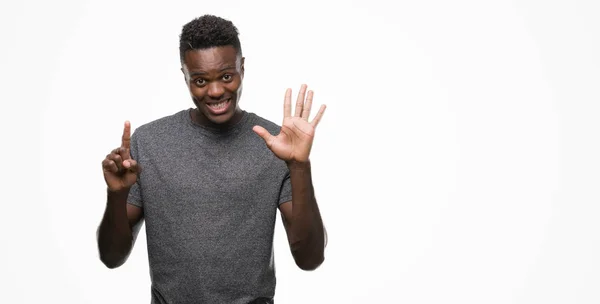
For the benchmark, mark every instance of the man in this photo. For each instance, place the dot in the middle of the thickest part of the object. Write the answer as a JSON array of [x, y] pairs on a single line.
[[208, 182]]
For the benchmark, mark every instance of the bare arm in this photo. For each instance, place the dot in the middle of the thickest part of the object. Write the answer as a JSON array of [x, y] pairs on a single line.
[[301, 217], [302, 220], [121, 221], [118, 230]]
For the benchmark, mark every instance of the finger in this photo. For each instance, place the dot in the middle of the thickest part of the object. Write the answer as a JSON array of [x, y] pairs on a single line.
[[307, 105], [264, 134], [109, 165], [318, 117], [132, 166], [126, 139], [300, 101], [287, 103], [124, 153], [116, 158]]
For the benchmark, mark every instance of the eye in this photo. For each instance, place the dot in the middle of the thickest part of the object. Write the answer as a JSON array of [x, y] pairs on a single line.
[[227, 77], [199, 82]]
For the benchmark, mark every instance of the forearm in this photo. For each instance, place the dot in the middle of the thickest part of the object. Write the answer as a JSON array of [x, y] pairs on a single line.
[[115, 237], [306, 226]]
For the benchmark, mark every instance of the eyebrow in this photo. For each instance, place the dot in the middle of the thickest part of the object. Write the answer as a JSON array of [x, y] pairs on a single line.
[[204, 73]]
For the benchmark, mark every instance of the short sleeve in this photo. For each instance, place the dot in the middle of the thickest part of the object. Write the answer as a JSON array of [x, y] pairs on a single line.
[[135, 193], [285, 193]]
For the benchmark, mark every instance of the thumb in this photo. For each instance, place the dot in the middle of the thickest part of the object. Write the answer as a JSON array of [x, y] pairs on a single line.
[[132, 166], [264, 134]]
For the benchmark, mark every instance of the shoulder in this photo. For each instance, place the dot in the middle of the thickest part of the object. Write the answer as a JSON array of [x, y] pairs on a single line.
[[159, 126]]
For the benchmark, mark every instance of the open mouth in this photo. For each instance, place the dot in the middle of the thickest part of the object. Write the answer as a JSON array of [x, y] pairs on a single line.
[[219, 107]]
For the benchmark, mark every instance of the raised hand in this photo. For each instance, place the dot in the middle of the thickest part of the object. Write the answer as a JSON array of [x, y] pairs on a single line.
[[120, 171], [294, 141]]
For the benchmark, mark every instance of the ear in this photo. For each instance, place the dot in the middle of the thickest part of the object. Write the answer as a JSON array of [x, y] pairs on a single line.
[[184, 75], [242, 66]]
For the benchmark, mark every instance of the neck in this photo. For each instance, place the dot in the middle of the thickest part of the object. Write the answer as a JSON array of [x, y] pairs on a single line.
[[201, 120]]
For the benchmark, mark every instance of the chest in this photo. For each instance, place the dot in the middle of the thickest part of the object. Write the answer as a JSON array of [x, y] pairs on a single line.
[[188, 176]]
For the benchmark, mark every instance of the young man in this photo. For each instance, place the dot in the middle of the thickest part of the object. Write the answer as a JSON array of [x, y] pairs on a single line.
[[213, 178]]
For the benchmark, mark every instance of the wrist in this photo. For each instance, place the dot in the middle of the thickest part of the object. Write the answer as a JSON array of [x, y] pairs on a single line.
[[118, 194], [298, 165]]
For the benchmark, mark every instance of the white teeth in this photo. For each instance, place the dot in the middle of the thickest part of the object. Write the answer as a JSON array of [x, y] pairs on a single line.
[[219, 105]]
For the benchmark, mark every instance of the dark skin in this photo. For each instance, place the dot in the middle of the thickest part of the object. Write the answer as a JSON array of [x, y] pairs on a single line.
[[122, 221], [215, 75]]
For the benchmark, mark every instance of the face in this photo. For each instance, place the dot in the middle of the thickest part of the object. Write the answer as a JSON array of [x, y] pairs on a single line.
[[214, 78]]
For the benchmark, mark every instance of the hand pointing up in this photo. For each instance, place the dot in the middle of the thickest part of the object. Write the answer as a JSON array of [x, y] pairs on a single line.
[[120, 170]]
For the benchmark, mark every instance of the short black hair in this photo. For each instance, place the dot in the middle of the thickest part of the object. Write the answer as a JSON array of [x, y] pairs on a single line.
[[206, 32]]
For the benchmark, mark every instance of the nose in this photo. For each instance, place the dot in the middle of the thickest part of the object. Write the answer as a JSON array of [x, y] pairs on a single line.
[[215, 90]]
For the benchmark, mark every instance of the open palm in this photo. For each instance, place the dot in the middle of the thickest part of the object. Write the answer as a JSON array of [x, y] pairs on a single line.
[[294, 141]]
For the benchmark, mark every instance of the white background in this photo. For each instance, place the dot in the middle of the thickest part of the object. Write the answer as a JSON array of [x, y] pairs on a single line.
[[457, 162]]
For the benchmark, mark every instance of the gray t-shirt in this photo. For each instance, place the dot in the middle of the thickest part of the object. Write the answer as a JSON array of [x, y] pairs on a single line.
[[210, 201]]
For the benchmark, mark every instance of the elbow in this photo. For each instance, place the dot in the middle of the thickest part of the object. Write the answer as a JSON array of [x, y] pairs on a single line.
[[111, 262], [113, 254], [310, 264], [111, 265], [307, 256]]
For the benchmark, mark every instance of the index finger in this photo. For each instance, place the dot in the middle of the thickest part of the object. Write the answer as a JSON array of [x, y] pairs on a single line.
[[287, 103], [126, 139]]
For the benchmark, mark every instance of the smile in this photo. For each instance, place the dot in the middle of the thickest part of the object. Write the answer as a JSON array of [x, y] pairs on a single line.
[[219, 107]]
